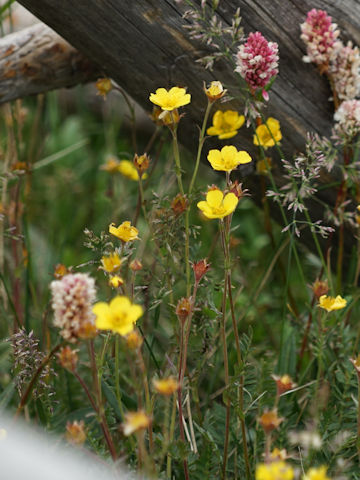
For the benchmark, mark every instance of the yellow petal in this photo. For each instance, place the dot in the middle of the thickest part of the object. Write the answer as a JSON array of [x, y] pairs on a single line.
[[215, 158], [103, 315], [230, 202], [226, 135], [120, 303], [136, 312], [214, 198], [244, 157]]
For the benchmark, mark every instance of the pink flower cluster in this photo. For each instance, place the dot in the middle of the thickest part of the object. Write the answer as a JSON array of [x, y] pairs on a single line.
[[72, 299], [345, 71], [319, 35], [347, 118], [257, 61]]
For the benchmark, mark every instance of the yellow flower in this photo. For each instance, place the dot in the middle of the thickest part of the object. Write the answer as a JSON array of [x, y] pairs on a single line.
[[135, 421], [274, 471], [116, 281], [215, 91], [278, 454], [170, 99], [267, 132], [120, 315], [330, 303], [125, 231], [104, 86], [269, 420], [111, 165], [134, 340], [128, 170], [226, 124], [228, 158], [263, 166], [111, 263], [166, 386], [316, 474], [218, 206]]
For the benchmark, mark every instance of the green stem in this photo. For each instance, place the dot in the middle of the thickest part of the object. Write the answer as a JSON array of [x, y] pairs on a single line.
[[225, 355], [201, 144]]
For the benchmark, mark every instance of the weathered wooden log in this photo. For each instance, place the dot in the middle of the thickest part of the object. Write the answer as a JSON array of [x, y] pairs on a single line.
[[36, 60], [142, 45]]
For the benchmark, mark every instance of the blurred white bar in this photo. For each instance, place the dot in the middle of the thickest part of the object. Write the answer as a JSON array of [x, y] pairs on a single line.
[[27, 454]]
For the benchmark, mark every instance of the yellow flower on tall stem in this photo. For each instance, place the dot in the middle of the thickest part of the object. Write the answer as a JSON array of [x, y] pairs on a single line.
[[215, 91], [128, 170], [268, 133], [226, 124], [135, 421], [120, 315], [170, 99], [125, 232], [318, 473], [330, 303], [166, 386], [111, 263], [228, 158], [217, 205], [274, 471]]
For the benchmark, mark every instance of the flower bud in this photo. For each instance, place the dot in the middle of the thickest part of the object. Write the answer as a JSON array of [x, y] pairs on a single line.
[[134, 340], [68, 358], [283, 384], [179, 204], [75, 432], [166, 386], [116, 281], [200, 268], [60, 270], [214, 91], [320, 288], [136, 265], [104, 86], [269, 420], [183, 309], [236, 188], [141, 163]]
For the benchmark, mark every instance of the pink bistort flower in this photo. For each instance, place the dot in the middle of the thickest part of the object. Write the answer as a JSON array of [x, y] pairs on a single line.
[[72, 300], [345, 71], [319, 35], [257, 61], [347, 118]]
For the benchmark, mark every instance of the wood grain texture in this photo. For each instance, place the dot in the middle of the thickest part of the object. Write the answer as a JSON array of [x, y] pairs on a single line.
[[37, 59], [142, 45]]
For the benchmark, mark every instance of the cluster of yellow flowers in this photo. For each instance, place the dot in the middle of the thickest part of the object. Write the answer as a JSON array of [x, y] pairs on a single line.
[[280, 470], [125, 167]]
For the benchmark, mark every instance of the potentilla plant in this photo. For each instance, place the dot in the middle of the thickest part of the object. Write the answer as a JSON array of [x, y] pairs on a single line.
[[171, 356]]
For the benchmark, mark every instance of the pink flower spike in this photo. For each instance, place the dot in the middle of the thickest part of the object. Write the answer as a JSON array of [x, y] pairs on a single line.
[[319, 36], [265, 95], [257, 61]]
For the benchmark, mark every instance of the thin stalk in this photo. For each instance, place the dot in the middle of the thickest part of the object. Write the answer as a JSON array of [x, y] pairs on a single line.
[[180, 379], [226, 362], [171, 436], [147, 397], [358, 418], [242, 381], [103, 424], [100, 409], [192, 183], [117, 376], [200, 147]]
